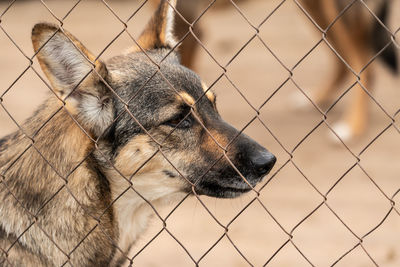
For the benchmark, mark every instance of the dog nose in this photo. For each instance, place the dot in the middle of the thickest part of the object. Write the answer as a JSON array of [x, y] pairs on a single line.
[[262, 162]]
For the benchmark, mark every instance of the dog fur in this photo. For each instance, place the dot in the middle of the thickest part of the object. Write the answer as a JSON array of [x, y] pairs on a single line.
[[116, 139]]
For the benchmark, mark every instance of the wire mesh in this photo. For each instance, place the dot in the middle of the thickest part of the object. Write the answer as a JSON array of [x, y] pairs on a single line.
[[303, 247]]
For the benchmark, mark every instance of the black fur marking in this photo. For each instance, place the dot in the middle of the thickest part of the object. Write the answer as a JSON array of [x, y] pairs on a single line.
[[169, 174], [109, 136], [9, 237], [99, 258], [3, 233], [2, 142], [104, 185], [30, 200]]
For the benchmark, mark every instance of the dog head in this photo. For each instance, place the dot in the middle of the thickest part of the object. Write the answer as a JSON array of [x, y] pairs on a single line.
[[155, 120]]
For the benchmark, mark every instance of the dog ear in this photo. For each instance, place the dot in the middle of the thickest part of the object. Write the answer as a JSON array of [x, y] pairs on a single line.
[[159, 31], [64, 60], [75, 75]]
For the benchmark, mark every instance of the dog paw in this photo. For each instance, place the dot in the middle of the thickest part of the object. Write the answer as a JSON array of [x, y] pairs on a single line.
[[298, 101], [343, 130]]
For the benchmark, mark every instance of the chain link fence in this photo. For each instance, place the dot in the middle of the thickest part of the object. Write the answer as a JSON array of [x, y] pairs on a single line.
[[324, 203]]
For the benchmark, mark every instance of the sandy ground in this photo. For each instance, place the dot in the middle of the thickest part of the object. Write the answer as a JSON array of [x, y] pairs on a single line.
[[289, 197]]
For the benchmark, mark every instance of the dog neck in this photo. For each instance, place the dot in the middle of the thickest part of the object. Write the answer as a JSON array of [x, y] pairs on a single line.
[[135, 204]]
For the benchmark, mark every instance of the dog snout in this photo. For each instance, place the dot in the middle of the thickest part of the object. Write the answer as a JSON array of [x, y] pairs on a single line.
[[262, 161]]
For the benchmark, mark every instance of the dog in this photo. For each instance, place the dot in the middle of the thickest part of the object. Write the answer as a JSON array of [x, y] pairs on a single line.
[[357, 37], [81, 179]]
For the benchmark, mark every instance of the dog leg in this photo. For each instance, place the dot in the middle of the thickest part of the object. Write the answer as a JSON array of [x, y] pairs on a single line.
[[322, 97], [355, 119], [350, 42], [323, 13]]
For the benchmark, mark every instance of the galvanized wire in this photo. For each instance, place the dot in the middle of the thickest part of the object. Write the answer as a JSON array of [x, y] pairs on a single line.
[[290, 233]]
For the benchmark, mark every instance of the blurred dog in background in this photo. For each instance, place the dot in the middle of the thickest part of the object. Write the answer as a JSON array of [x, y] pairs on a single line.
[[356, 35]]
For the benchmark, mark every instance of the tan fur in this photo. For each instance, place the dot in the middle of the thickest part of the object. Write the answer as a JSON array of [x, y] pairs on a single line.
[[150, 182], [188, 99], [215, 142], [159, 29], [209, 94], [191, 10]]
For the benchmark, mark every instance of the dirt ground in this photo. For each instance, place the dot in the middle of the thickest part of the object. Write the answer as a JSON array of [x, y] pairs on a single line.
[[360, 199]]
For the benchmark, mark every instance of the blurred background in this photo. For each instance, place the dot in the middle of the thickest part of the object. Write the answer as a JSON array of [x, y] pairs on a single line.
[[290, 224]]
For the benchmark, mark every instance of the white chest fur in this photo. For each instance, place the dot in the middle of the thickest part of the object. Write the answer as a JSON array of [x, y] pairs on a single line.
[[133, 211]]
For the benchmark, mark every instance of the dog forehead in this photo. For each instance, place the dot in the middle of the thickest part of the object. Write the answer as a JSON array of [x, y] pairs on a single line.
[[138, 70]]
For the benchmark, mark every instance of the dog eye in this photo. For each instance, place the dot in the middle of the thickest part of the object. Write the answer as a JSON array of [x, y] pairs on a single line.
[[180, 122]]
